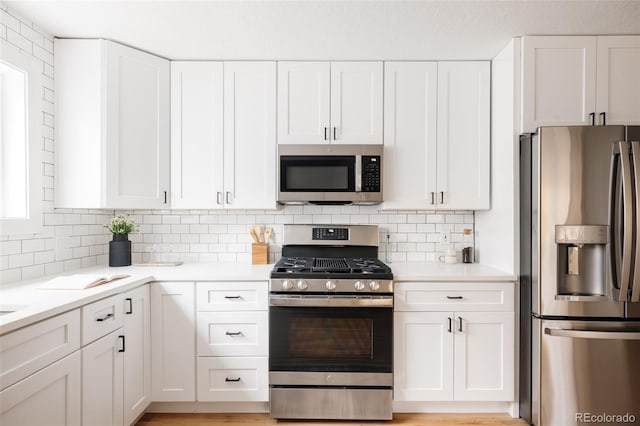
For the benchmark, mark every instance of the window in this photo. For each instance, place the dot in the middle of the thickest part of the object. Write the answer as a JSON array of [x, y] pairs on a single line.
[[20, 142]]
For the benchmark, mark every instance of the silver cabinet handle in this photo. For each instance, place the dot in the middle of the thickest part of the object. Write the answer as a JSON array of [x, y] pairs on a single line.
[[104, 317], [593, 334], [460, 324], [228, 198], [219, 197]]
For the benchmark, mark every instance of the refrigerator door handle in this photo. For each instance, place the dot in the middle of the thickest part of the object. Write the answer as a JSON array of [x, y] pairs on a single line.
[[627, 235], [593, 334], [635, 156]]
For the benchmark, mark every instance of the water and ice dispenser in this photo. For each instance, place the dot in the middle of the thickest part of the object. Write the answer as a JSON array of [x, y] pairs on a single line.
[[581, 260]]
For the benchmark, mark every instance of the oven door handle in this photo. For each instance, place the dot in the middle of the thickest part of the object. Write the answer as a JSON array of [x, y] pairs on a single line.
[[334, 301]]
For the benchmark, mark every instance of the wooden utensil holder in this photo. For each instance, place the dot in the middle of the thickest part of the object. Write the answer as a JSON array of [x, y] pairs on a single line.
[[259, 253]]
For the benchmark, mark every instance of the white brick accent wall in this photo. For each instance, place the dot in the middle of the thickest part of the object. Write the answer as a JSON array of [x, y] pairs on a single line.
[[75, 238]]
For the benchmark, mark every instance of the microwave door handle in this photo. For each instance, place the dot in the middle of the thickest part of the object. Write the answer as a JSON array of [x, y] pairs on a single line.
[[635, 157], [358, 173], [625, 169]]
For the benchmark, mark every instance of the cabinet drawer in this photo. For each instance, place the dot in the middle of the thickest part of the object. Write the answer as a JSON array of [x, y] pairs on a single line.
[[233, 333], [101, 318], [468, 296], [232, 296], [232, 379], [29, 349]]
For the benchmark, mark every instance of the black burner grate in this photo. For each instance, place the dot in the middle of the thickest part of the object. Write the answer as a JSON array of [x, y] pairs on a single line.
[[330, 264]]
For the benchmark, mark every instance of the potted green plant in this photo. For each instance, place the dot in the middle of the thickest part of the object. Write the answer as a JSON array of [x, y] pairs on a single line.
[[120, 247]]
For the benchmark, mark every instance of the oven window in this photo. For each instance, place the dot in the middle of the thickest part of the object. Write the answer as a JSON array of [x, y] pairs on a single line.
[[330, 337], [317, 173]]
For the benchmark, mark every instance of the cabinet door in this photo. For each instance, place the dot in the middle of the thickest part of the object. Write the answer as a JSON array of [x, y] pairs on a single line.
[[49, 397], [410, 103], [250, 135], [196, 135], [558, 81], [173, 341], [102, 374], [356, 102], [423, 356], [137, 128], [303, 102], [463, 135], [484, 356], [618, 89], [137, 355]]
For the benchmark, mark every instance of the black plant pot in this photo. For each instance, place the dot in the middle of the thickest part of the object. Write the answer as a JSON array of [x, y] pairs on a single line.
[[120, 250]]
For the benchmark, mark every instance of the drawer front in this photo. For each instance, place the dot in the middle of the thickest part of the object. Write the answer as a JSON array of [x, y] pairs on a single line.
[[233, 379], [31, 348], [467, 296], [101, 318], [232, 296], [233, 333]]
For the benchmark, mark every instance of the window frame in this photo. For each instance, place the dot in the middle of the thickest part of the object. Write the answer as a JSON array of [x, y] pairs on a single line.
[[33, 224]]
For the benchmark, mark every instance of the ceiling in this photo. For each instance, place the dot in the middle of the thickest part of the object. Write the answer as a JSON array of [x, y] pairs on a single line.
[[327, 29]]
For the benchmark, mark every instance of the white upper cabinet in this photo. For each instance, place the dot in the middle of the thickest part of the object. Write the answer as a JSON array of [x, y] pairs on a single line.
[[410, 120], [223, 137], [196, 134], [303, 102], [437, 135], [463, 145], [580, 81], [618, 79], [112, 126], [330, 102]]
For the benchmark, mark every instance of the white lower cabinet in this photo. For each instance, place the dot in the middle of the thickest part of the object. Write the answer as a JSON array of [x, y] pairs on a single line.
[[173, 341], [102, 374], [49, 397], [232, 347], [466, 354]]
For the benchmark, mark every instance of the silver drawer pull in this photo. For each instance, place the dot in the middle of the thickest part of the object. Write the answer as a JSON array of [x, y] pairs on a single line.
[[231, 380], [104, 318], [236, 333], [233, 297], [454, 297]]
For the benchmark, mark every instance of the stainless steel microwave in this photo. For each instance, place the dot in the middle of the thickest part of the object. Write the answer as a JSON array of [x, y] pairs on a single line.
[[330, 174]]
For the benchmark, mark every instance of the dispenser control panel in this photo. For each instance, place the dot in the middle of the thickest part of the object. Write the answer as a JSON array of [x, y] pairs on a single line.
[[581, 234]]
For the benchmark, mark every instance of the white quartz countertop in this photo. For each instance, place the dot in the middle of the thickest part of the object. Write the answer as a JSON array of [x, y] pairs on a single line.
[[436, 271], [30, 304]]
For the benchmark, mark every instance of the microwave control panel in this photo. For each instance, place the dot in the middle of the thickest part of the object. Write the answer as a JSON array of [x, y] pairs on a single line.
[[371, 165]]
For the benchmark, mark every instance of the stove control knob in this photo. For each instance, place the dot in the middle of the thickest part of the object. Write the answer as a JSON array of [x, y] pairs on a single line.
[[359, 285], [374, 286], [331, 285], [302, 285], [287, 284]]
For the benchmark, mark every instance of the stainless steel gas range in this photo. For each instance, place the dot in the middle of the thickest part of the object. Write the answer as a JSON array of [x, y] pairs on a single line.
[[331, 325]]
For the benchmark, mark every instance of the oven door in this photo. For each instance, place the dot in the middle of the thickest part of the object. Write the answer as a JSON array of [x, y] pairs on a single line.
[[337, 333]]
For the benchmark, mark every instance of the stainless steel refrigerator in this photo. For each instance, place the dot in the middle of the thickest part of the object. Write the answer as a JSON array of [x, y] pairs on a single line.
[[580, 275]]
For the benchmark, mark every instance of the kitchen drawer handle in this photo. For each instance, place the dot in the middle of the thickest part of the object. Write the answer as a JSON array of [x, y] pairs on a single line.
[[231, 380], [460, 324], [104, 318], [450, 324], [122, 338], [454, 297], [130, 302], [233, 297], [234, 333]]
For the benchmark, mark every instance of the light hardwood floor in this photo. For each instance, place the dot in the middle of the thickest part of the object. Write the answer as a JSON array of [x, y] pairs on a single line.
[[264, 420]]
